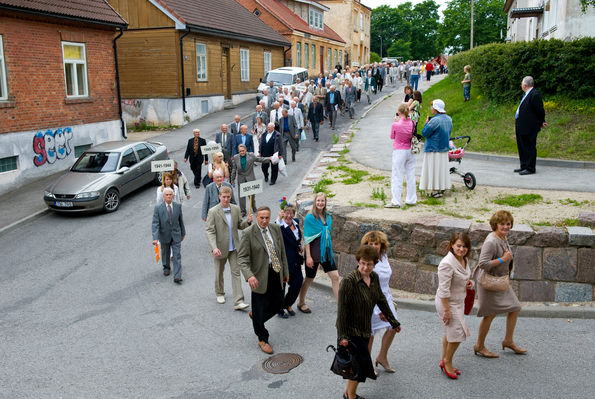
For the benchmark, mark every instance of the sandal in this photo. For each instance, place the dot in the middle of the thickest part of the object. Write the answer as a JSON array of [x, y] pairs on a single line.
[[304, 309]]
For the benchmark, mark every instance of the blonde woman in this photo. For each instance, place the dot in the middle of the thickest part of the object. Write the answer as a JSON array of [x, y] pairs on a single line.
[[167, 181], [218, 164]]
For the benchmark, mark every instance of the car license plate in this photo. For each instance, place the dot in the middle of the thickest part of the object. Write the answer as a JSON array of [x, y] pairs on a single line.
[[63, 204]]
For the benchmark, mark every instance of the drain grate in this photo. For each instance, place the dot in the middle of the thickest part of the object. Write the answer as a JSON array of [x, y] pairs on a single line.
[[282, 363]]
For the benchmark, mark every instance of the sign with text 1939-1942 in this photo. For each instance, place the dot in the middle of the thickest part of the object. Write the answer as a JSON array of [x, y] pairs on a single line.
[[251, 188], [163, 165], [210, 148]]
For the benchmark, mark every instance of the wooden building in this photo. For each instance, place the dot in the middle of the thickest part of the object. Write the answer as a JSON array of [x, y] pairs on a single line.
[[182, 59], [314, 45]]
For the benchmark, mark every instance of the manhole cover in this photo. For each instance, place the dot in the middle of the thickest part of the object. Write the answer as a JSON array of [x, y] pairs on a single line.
[[282, 363]]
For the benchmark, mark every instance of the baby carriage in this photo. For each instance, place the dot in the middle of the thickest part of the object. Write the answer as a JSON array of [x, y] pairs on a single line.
[[455, 154]]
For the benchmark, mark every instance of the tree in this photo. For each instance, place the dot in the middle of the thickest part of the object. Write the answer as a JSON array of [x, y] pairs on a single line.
[[374, 57], [400, 48], [586, 3], [489, 24], [424, 35]]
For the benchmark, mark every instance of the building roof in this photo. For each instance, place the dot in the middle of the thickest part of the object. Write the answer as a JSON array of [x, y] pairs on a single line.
[[294, 22], [94, 11], [225, 18]]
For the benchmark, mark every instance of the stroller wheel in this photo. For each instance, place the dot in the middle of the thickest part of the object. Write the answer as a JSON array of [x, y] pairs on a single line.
[[469, 180]]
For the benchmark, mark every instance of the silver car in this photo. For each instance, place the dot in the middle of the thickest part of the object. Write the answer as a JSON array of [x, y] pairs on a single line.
[[103, 174]]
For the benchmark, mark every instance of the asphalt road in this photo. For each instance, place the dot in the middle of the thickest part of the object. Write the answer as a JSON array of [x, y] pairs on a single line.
[[85, 312]]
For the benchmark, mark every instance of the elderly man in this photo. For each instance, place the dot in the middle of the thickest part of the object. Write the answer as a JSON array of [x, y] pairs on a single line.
[[259, 113], [168, 229], [316, 117], [244, 138], [528, 121], [298, 115], [275, 115], [223, 223], [332, 101], [243, 168], [235, 126], [194, 154], [271, 143], [350, 97], [289, 132], [370, 85], [211, 197], [263, 262], [225, 139]]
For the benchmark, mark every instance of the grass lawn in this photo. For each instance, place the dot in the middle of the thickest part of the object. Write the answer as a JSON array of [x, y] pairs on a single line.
[[570, 133]]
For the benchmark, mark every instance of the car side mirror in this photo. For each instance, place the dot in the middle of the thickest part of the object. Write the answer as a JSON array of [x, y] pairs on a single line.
[[122, 170]]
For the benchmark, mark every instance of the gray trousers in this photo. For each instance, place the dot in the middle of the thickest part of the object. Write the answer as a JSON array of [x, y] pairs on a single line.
[[288, 138], [332, 115], [236, 281], [166, 250], [349, 105]]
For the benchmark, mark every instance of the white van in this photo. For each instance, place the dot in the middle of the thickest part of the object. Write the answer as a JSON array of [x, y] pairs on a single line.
[[284, 77]]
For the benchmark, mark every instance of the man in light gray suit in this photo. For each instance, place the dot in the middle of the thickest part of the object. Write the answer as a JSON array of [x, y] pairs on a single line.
[[350, 97], [243, 168], [212, 193], [168, 228], [236, 125], [289, 133]]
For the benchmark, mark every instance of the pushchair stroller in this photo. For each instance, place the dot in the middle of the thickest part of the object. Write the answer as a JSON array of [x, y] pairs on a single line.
[[455, 154]]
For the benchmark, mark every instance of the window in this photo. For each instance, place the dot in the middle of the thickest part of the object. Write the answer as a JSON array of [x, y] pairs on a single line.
[[306, 53], [267, 62], [329, 60], [245, 65], [7, 164], [201, 62], [336, 59], [298, 54], [3, 84], [128, 159], [313, 56], [341, 57], [142, 151], [361, 21], [75, 69], [79, 149], [316, 19]]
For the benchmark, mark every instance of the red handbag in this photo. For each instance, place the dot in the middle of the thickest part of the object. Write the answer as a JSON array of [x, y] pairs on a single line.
[[469, 300]]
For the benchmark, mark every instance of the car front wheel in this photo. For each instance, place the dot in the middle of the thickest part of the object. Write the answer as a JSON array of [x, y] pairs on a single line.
[[111, 201]]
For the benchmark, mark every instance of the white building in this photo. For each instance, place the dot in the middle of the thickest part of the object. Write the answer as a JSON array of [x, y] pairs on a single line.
[[547, 19]]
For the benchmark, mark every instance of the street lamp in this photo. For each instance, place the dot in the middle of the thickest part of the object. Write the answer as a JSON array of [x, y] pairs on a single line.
[[380, 46]]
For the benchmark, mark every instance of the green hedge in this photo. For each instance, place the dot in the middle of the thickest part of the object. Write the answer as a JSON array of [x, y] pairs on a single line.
[[558, 67]]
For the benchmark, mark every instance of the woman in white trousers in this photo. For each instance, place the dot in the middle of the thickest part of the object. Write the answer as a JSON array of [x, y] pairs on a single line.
[[403, 159]]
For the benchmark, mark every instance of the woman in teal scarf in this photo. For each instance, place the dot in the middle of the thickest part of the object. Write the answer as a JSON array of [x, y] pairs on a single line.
[[319, 249]]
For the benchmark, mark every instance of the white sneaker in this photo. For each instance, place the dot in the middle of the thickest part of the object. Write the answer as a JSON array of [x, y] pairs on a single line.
[[241, 306], [220, 299]]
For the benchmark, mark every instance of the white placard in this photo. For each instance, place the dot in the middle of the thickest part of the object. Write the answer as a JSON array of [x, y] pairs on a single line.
[[251, 188], [164, 165], [210, 148]]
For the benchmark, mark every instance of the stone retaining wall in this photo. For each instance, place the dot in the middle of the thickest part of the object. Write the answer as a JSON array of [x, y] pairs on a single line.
[[551, 264]]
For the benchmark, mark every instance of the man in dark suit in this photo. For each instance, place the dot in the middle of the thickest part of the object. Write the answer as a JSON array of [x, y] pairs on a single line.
[[263, 263], [350, 97], [529, 119], [243, 138], [236, 125], [225, 139], [289, 132], [270, 143], [315, 116], [243, 167], [194, 154], [332, 101], [168, 228]]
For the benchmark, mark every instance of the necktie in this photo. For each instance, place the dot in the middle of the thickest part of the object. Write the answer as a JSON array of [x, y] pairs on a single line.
[[274, 259], [223, 139], [170, 213]]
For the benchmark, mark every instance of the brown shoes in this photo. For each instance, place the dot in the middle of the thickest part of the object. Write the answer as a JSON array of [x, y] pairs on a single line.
[[483, 352], [265, 347]]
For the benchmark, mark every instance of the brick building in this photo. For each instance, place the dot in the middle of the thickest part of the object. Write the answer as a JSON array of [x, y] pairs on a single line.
[[58, 91]]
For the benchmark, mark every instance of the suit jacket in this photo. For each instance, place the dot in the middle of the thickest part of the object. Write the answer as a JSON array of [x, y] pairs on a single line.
[[253, 257], [273, 115], [277, 146], [293, 128], [531, 114], [263, 114], [292, 246], [234, 128], [211, 197], [228, 148], [189, 154], [327, 99], [217, 228], [247, 174], [298, 115], [315, 115], [350, 94], [164, 230], [371, 83], [238, 140]]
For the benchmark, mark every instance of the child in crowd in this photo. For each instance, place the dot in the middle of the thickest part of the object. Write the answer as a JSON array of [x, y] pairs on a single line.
[[467, 82]]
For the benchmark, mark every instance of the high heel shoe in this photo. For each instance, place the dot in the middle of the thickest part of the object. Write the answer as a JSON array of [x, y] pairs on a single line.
[[388, 369], [441, 364], [452, 376], [483, 352], [514, 347]]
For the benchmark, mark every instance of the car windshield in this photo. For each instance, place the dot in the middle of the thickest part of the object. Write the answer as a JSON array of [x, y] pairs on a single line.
[[279, 78], [97, 162]]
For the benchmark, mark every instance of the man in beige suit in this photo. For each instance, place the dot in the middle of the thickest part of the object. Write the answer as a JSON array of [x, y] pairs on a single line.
[[263, 263], [223, 222]]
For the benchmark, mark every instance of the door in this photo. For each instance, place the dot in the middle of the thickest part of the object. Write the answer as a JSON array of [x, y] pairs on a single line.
[[226, 72], [321, 59], [129, 180]]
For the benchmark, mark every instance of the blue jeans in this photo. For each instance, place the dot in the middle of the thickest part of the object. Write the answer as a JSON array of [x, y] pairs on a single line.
[[414, 80], [467, 92]]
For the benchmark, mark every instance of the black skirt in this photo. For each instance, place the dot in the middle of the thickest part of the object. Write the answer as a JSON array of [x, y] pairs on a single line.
[[366, 368]]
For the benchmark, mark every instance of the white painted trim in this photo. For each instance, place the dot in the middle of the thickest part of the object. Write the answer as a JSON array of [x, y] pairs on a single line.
[[314, 4], [179, 24]]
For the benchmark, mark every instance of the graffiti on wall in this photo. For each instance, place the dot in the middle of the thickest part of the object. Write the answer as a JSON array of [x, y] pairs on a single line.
[[51, 145]]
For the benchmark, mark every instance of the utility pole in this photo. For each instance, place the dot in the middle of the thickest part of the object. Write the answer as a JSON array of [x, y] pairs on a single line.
[[381, 45], [471, 44]]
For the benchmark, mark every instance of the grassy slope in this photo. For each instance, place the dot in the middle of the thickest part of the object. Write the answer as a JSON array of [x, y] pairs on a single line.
[[570, 133]]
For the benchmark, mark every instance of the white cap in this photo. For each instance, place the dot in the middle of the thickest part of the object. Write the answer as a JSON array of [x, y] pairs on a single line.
[[438, 105]]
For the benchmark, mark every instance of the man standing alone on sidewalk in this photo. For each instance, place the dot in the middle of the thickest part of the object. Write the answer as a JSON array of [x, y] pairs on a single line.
[[529, 119], [194, 154]]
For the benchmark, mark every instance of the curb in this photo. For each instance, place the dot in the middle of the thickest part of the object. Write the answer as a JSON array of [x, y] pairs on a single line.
[[560, 163], [23, 220]]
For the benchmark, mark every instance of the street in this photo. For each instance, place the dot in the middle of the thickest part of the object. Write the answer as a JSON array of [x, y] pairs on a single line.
[[85, 312]]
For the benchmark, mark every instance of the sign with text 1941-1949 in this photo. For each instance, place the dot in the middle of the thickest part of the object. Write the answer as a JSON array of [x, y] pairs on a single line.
[[210, 148], [164, 165], [251, 188]]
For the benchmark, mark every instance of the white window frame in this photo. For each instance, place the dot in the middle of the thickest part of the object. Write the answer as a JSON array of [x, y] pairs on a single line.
[[267, 62], [298, 54], [316, 19], [313, 50], [361, 21], [329, 61], [3, 80], [201, 63], [244, 65], [340, 58], [76, 62], [306, 55]]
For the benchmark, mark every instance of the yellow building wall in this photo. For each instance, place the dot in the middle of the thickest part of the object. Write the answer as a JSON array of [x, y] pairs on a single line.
[[314, 70]]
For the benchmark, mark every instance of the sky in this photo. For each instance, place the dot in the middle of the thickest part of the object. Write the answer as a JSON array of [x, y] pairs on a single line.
[[393, 3]]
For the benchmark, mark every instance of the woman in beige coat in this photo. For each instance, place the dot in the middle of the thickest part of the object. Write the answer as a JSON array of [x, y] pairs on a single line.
[[496, 260], [453, 281]]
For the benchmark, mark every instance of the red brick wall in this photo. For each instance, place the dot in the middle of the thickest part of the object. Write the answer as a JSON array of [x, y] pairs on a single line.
[[36, 85]]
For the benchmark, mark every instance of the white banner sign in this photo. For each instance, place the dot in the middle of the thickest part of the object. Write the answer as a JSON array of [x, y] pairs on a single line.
[[210, 149], [251, 188], [164, 165]]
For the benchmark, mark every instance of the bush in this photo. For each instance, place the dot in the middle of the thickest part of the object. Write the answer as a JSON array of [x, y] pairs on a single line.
[[374, 57], [558, 67]]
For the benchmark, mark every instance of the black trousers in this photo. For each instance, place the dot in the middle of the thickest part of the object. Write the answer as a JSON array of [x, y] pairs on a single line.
[[196, 167], [274, 171], [315, 129], [267, 305], [296, 278], [527, 146]]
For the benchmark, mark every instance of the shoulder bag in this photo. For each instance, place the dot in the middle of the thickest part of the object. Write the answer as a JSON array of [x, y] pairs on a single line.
[[416, 144], [490, 282]]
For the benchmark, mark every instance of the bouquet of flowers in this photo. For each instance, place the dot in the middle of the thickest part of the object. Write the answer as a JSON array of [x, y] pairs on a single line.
[[283, 203]]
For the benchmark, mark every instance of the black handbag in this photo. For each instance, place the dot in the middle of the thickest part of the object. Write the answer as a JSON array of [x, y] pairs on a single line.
[[206, 180], [345, 364]]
